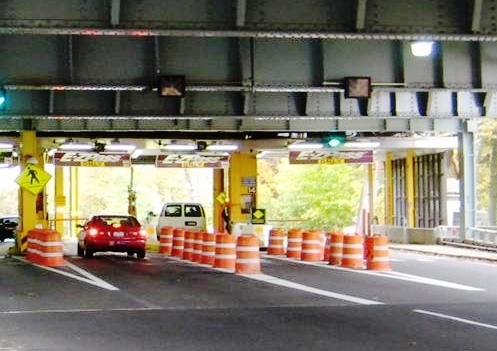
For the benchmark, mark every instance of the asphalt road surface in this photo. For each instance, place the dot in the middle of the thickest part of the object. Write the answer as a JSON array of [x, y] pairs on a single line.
[[113, 302]]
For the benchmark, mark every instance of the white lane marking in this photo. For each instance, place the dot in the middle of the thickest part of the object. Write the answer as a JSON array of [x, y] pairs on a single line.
[[90, 278], [289, 284], [425, 260], [387, 274], [292, 285], [457, 319]]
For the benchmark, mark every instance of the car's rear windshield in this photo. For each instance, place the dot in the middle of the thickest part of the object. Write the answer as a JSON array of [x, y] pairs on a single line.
[[116, 221]]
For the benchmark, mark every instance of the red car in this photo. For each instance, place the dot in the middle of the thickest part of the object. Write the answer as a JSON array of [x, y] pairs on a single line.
[[115, 233]]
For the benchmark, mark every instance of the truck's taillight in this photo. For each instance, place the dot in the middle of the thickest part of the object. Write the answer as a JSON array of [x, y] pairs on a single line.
[[93, 231]]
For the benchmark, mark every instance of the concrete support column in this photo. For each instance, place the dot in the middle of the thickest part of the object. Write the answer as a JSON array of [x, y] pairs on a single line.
[[410, 188], [389, 196], [31, 206], [467, 183], [242, 178]]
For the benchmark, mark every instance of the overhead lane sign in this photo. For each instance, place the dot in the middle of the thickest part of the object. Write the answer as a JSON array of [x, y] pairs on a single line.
[[92, 159], [33, 179], [192, 161], [331, 157]]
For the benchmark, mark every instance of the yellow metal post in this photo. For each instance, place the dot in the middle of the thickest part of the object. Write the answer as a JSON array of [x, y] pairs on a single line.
[[410, 187], [31, 206], [243, 170], [389, 199], [371, 197], [218, 207], [74, 211], [60, 200]]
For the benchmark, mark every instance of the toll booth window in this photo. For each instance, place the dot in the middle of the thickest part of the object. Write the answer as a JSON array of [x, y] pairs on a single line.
[[192, 211], [173, 211]]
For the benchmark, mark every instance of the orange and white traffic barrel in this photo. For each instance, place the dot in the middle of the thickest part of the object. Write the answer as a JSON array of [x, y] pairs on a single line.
[[188, 246], [336, 248], [248, 256], [353, 251], [166, 240], [208, 248], [326, 253], [225, 254], [178, 242], [311, 246], [197, 246], [45, 248], [377, 253], [276, 244], [294, 243]]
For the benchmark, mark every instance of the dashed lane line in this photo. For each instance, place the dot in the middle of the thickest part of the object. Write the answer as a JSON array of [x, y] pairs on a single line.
[[457, 319]]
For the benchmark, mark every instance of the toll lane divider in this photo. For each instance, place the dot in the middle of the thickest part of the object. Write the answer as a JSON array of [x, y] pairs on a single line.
[[240, 255], [350, 251], [45, 248]]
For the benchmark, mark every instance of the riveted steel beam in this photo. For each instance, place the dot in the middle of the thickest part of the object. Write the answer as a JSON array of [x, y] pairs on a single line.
[[115, 11], [477, 9], [361, 14], [145, 32], [241, 9]]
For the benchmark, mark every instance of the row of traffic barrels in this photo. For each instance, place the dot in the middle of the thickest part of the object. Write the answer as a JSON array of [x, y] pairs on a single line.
[[219, 250], [45, 247], [334, 247]]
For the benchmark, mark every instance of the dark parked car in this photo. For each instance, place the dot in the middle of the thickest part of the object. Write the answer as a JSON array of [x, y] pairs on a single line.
[[8, 227], [114, 233]]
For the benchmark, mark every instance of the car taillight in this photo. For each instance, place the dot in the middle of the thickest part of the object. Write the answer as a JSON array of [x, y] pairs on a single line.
[[93, 231], [143, 233]]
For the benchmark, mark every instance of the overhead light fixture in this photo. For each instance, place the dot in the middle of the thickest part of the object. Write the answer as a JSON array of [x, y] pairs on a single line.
[[305, 146], [118, 146], [75, 146], [222, 147], [422, 48], [6, 146]]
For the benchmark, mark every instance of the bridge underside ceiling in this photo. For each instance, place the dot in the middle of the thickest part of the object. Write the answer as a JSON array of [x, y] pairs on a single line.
[[257, 66]]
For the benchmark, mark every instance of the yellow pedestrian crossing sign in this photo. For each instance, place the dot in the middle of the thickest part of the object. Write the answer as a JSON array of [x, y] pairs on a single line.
[[33, 179]]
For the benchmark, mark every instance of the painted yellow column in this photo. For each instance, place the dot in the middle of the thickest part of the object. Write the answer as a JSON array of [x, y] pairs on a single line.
[[371, 198], [219, 188], [74, 211], [243, 171], [60, 201], [31, 206], [389, 199], [410, 187]]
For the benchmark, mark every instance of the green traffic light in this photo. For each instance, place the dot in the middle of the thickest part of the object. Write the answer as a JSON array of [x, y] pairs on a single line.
[[334, 140]]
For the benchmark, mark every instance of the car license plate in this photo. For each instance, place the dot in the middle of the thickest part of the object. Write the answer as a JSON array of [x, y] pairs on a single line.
[[118, 234], [111, 243], [190, 223]]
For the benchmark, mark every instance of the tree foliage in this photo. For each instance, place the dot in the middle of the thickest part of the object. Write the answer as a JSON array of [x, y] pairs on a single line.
[[309, 196]]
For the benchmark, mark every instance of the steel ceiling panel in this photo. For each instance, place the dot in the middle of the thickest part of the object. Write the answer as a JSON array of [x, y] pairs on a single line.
[[337, 15], [184, 14], [148, 103], [27, 103], [285, 62], [84, 103], [204, 60], [488, 20], [488, 65], [320, 104], [215, 103], [74, 13], [457, 64], [108, 60], [421, 72], [284, 104], [312, 125], [30, 59], [469, 104], [414, 16], [355, 58]]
